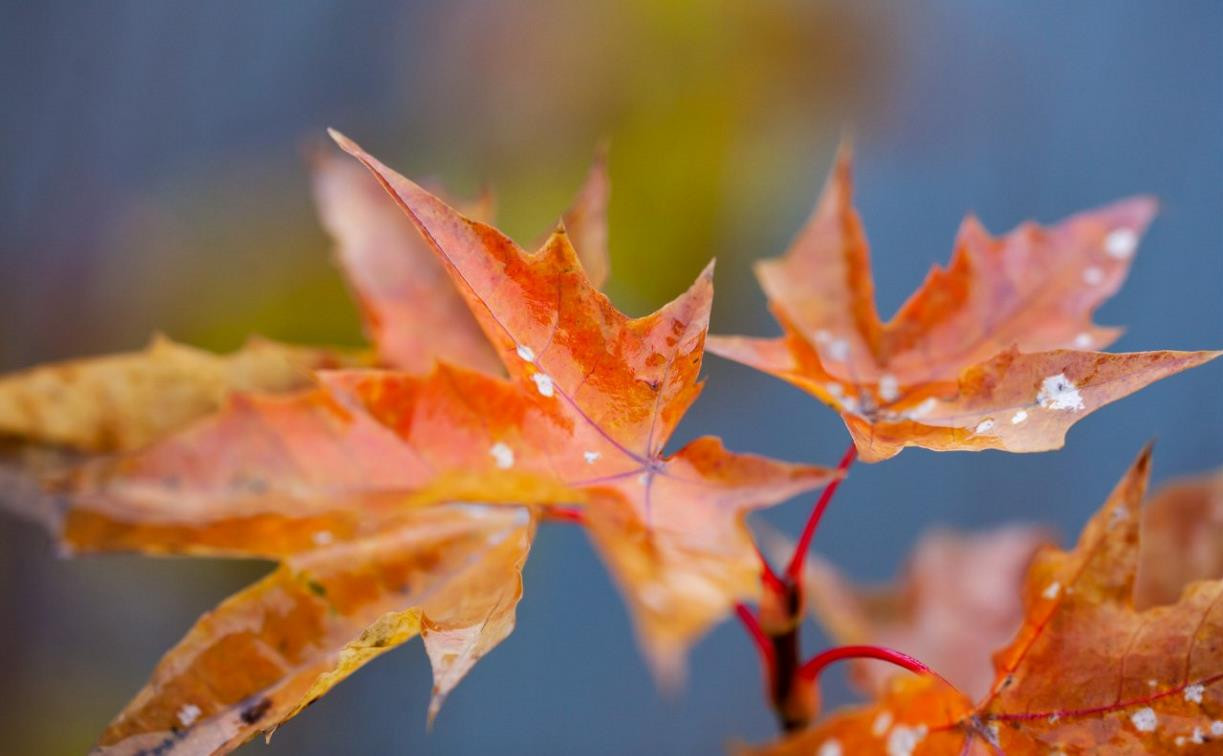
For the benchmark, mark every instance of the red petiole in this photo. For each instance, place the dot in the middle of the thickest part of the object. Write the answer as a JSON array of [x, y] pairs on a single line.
[[768, 577], [811, 670], [794, 569], [758, 636], [774, 631]]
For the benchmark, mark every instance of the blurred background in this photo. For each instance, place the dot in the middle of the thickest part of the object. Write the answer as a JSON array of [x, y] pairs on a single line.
[[152, 178]]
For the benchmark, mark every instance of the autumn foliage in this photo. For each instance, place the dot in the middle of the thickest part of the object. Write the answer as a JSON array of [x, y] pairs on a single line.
[[399, 488]]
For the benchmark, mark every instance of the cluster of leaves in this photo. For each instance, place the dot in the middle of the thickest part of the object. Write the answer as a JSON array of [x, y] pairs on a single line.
[[399, 488], [1117, 647]]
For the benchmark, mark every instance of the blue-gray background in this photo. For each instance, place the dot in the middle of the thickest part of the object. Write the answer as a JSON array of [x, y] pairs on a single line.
[[151, 179]]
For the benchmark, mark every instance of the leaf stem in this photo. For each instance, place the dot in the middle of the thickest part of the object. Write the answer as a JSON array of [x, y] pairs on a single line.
[[763, 645], [794, 569], [768, 577], [775, 630], [814, 666]]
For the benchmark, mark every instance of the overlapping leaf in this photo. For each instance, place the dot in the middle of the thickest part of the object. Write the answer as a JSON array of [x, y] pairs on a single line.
[[371, 553], [1086, 673], [990, 353], [125, 401], [451, 574], [322, 478], [670, 528], [283, 479], [356, 485], [957, 602]]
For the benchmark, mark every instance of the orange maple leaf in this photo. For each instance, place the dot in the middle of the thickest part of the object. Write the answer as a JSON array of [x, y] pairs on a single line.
[[988, 354], [670, 528], [356, 486], [1086, 672]]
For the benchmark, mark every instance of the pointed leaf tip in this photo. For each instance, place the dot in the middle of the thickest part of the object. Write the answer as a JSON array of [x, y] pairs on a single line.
[[344, 142]]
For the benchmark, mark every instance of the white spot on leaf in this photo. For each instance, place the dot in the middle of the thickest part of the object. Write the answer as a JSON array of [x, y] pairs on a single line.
[[323, 537], [985, 425], [830, 747], [1216, 728], [1019, 417], [502, 455], [1144, 720], [543, 382], [1193, 693], [1198, 738], [525, 353], [591, 457], [889, 387], [838, 349], [1093, 276], [1121, 243], [1083, 341], [925, 408], [1057, 392], [1051, 591], [881, 724], [904, 739], [188, 714]]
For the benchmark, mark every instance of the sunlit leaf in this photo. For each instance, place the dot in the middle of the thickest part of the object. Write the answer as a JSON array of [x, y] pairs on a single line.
[[993, 352]]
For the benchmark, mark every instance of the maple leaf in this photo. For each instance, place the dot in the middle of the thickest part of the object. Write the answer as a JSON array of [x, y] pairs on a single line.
[[327, 481], [357, 485], [670, 528], [412, 313], [124, 401], [990, 353], [371, 552], [1086, 672], [957, 602], [451, 574]]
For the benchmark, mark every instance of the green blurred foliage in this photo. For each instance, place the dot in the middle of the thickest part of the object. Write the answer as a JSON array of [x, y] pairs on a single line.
[[710, 110]]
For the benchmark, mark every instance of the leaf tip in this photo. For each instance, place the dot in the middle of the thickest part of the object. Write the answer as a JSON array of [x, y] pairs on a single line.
[[344, 142], [1142, 464]]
